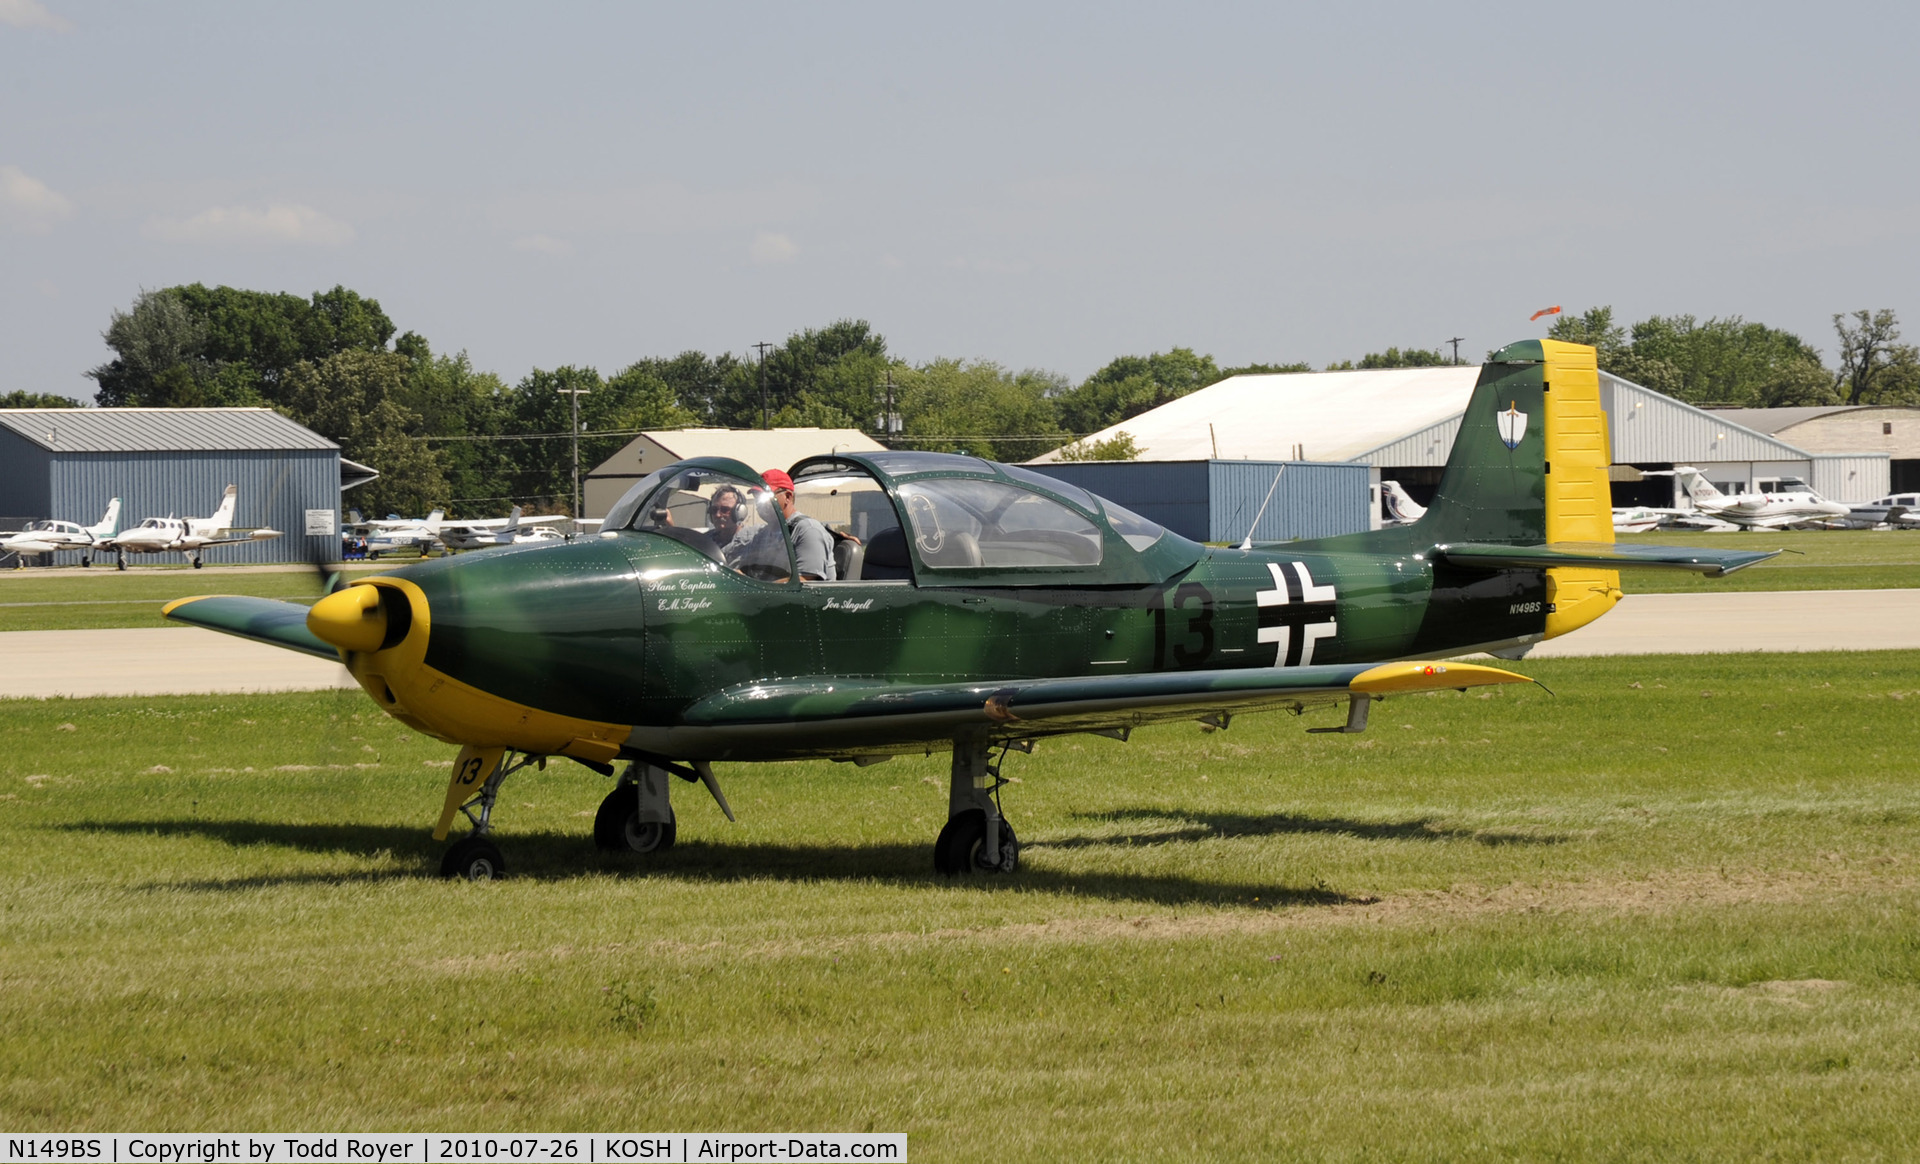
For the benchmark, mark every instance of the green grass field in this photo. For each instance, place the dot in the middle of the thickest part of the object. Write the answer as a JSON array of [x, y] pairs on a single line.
[[1668, 913], [1824, 560], [33, 599], [1821, 560]]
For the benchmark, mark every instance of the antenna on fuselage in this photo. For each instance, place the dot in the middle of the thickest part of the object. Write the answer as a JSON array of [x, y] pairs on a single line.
[[1246, 543]]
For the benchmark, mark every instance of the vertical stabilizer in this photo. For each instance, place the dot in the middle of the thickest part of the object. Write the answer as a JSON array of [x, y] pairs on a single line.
[[1699, 488], [109, 523], [434, 519], [223, 517]]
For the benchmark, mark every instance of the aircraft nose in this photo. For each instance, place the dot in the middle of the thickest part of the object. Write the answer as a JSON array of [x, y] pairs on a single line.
[[352, 619]]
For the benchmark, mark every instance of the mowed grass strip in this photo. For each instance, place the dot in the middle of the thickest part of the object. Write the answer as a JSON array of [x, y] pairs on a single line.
[[32, 599], [1667, 913], [1820, 559]]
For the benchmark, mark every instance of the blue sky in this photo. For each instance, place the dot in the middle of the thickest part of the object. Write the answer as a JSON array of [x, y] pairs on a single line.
[[1042, 185]]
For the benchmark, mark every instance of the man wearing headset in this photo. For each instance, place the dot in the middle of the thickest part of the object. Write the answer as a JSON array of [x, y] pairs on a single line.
[[812, 544], [723, 524]]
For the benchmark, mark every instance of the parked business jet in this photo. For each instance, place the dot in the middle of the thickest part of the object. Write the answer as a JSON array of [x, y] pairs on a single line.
[[1796, 505], [47, 537], [1401, 509], [189, 536]]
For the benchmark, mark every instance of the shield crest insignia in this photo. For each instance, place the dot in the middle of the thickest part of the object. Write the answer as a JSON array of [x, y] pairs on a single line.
[[1513, 424]]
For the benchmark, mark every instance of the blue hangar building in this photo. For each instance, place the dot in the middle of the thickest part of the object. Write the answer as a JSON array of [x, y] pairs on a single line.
[[68, 463]]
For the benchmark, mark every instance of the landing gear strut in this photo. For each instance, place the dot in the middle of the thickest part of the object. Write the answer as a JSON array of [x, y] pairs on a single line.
[[474, 857], [976, 839], [637, 816]]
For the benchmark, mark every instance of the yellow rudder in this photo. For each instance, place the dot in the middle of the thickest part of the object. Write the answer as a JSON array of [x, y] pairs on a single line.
[[1579, 497]]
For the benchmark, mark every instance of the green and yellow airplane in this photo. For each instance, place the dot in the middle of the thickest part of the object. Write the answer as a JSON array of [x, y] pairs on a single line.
[[932, 601]]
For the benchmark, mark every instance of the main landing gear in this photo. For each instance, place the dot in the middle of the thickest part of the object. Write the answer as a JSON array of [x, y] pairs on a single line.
[[637, 816], [976, 839]]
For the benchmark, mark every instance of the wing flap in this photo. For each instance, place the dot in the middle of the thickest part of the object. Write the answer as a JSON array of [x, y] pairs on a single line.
[[1602, 555], [1075, 704], [264, 620]]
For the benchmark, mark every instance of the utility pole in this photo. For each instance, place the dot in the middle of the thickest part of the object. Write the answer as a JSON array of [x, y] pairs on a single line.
[[766, 419], [889, 422], [1456, 342], [575, 394]]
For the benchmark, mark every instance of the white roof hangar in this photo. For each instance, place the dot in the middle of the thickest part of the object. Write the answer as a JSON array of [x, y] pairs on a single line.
[[774, 448], [1402, 421], [1316, 416]]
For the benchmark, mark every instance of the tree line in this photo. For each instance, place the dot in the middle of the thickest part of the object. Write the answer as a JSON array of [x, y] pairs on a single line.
[[443, 433]]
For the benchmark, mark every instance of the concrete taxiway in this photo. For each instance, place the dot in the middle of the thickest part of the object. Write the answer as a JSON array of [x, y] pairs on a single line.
[[186, 660]]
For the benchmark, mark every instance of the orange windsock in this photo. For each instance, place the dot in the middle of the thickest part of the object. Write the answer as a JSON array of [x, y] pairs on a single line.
[[1554, 310]]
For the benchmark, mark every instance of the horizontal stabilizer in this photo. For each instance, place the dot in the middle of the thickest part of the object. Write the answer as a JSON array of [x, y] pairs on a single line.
[[264, 620], [1601, 555]]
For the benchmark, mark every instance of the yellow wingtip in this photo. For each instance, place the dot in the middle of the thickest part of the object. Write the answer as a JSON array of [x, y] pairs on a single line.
[[177, 603], [1395, 678]]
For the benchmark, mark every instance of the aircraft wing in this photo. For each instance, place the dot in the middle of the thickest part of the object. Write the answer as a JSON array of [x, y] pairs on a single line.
[[233, 535], [1602, 555], [1017, 707], [264, 620]]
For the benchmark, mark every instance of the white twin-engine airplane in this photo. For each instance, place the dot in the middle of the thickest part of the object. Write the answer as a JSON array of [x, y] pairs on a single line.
[[1777, 509], [47, 537], [513, 531], [386, 537], [189, 536]]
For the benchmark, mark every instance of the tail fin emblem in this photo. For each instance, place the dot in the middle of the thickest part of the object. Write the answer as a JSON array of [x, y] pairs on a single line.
[[1513, 425]]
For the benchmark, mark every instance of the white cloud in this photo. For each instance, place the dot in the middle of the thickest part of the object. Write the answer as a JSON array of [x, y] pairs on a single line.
[[27, 203], [278, 223], [773, 248], [543, 244], [31, 14]]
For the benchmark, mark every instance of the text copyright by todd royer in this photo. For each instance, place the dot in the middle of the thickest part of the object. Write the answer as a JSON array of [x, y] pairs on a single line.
[[446, 1148]]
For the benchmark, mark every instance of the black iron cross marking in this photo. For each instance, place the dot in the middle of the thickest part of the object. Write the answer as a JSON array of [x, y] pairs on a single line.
[[1295, 604]]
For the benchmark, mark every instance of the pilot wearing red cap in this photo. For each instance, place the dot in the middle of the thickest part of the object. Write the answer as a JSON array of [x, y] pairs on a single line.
[[812, 544]]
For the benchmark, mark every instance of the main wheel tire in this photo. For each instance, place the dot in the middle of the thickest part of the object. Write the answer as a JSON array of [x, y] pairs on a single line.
[[617, 827], [197, 563], [473, 859], [957, 852]]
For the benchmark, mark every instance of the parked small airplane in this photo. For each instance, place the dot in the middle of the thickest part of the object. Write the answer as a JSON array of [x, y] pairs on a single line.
[[475, 535], [1898, 511], [984, 607], [395, 534], [190, 536], [48, 537], [1638, 519], [1793, 506], [1403, 509]]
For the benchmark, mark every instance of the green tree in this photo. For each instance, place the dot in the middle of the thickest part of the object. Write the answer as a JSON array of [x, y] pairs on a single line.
[[539, 471], [1264, 370], [158, 335], [827, 376], [354, 399], [974, 406], [199, 345], [1118, 447], [1593, 327], [1403, 358], [1726, 361], [24, 399], [457, 404], [1875, 367], [1131, 385]]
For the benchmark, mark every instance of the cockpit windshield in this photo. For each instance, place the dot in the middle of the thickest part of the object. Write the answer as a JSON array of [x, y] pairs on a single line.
[[730, 519]]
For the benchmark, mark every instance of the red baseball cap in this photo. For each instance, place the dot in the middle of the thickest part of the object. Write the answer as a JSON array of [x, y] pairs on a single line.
[[776, 479]]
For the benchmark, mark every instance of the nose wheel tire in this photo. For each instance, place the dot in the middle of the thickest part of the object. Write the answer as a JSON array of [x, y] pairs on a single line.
[[961, 847], [473, 859], [617, 827]]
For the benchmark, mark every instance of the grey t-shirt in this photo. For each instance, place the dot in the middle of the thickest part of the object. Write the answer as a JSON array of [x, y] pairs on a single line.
[[812, 548]]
